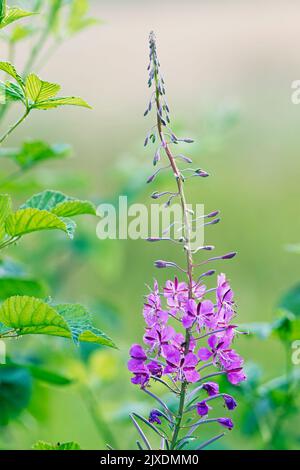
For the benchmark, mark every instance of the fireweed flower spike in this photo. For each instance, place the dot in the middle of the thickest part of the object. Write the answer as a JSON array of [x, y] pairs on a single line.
[[189, 330]]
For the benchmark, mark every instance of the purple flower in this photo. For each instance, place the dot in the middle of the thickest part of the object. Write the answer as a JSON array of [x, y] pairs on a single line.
[[229, 401], [175, 292], [202, 314], [153, 312], [155, 368], [203, 408], [211, 388], [137, 366], [226, 422], [154, 417], [224, 299], [183, 366], [235, 376], [157, 338]]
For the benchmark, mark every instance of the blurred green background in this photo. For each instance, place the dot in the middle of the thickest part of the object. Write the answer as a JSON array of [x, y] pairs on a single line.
[[228, 67]]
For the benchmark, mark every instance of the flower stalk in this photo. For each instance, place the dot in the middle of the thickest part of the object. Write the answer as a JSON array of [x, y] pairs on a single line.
[[171, 354]]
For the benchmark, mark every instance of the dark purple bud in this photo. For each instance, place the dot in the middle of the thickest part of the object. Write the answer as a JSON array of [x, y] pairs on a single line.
[[211, 272], [213, 222], [201, 173], [229, 255], [155, 368], [213, 214], [229, 401], [146, 112], [188, 141], [154, 417], [155, 195], [211, 388], [161, 264], [208, 247], [174, 138], [146, 141], [226, 422], [203, 408], [154, 239], [151, 178]]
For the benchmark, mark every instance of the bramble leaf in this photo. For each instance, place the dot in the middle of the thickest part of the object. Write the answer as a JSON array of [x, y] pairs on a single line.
[[41, 445], [8, 68], [60, 204], [30, 220], [64, 101], [38, 90], [28, 315], [11, 92]]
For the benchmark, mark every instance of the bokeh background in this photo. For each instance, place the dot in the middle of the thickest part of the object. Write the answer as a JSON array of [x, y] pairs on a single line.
[[228, 67]]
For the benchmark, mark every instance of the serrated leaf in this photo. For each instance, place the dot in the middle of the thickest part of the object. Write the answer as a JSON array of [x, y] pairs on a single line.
[[15, 392], [11, 92], [8, 68], [60, 204], [5, 210], [41, 445], [64, 101], [38, 90], [13, 14], [28, 315], [79, 322], [26, 221]]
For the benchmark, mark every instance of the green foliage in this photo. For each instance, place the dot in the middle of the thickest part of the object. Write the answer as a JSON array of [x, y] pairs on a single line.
[[45, 211], [41, 445], [10, 15], [78, 19], [28, 315], [15, 392], [32, 153], [36, 93]]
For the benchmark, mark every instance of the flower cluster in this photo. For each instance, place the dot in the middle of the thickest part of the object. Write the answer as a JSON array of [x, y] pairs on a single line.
[[165, 352]]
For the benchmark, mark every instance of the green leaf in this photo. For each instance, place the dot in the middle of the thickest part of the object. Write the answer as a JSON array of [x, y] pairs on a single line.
[[52, 378], [64, 101], [8, 68], [3, 8], [28, 315], [5, 210], [15, 392], [21, 32], [29, 220], [291, 301], [38, 90], [60, 204], [78, 19], [41, 445], [10, 286], [13, 14], [11, 92], [79, 322], [34, 152]]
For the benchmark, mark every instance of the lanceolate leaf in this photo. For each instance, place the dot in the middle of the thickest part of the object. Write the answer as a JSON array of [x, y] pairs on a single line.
[[60, 204], [32, 220], [37, 90], [64, 101], [28, 315]]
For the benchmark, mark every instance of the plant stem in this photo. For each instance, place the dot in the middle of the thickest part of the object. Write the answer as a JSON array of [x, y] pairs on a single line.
[[99, 421], [187, 237], [14, 126]]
